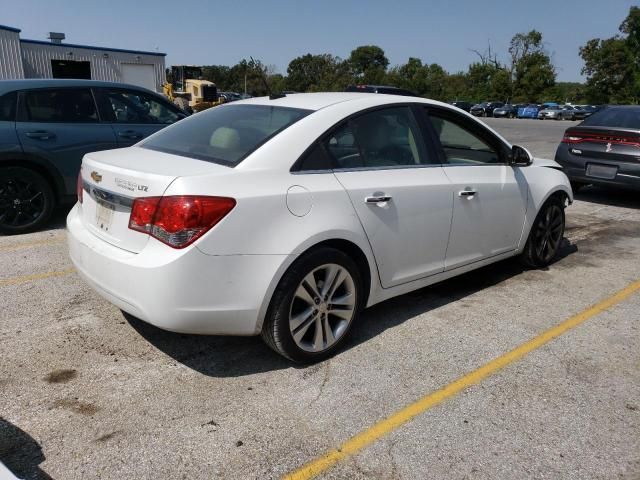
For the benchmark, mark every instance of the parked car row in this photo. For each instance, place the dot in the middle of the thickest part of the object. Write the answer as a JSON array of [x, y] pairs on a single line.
[[549, 110]]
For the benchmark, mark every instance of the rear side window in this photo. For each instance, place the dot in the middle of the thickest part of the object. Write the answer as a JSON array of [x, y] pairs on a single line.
[[615, 117], [224, 134], [67, 105], [8, 107], [379, 139], [131, 106]]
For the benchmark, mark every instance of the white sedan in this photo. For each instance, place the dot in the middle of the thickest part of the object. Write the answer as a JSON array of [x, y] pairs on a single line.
[[285, 217]]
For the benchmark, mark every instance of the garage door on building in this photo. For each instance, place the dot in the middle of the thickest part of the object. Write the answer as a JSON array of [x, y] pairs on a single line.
[[140, 75]]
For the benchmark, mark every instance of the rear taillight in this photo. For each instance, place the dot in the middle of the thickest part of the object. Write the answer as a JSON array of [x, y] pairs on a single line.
[[80, 187], [178, 220], [571, 139]]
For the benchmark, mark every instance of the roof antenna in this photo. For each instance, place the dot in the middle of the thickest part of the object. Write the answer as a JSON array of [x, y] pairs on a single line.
[[272, 96]]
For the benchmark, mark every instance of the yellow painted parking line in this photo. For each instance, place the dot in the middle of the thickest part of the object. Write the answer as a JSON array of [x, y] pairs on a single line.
[[391, 423], [19, 246], [36, 276]]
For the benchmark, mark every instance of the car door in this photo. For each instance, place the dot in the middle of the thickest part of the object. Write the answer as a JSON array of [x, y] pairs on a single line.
[[489, 196], [135, 114], [61, 125], [400, 194], [9, 143]]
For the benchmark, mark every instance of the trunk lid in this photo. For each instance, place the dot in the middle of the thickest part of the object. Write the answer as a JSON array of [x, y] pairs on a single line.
[[602, 143], [113, 179]]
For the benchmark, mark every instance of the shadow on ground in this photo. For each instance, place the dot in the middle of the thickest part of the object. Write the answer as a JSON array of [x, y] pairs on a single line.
[[20, 453], [609, 196], [238, 356]]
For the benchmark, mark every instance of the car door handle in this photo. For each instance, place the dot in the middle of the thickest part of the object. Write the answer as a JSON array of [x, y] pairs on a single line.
[[40, 135], [378, 199], [130, 134], [467, 193]]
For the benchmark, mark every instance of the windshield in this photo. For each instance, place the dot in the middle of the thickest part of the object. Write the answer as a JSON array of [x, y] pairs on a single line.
[[226, 134], [615, 117]]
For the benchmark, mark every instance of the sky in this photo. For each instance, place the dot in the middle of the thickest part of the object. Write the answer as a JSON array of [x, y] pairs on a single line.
[[276, 31]]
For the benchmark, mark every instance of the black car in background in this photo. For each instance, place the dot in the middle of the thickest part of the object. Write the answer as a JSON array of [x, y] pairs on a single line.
[[466, 106], [507, 111], [584, 111], [485, 109], [389, 90], [604, 149]]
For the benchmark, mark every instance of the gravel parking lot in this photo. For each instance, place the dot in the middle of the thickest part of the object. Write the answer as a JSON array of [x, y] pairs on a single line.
[[86, 392]]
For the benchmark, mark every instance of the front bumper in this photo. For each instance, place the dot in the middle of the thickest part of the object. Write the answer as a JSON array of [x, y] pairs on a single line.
[[183, 291], [575, 167]]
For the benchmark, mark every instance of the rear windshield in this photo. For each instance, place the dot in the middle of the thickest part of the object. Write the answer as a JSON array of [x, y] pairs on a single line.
[[225, 134], [615, 117]]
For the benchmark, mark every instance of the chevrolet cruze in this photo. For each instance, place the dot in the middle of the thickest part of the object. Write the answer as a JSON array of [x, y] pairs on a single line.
[[286, 216]]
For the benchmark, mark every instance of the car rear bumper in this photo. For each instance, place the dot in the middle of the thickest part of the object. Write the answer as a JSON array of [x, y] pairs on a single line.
[[575, 167], [183, 291]]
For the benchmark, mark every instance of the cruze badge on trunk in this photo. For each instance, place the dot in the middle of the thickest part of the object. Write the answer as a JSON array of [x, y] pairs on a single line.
[[131, 186]]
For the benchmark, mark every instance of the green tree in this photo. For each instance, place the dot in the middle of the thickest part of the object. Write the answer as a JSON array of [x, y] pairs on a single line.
[[313, 73], [368, 63], [612, 65], [531, 70]]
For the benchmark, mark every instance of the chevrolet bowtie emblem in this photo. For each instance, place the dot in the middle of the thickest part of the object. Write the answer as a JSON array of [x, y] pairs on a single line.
[[96, 177]]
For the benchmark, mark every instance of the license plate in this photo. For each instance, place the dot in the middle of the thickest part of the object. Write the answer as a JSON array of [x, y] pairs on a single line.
[[606, 172], [104, 214]]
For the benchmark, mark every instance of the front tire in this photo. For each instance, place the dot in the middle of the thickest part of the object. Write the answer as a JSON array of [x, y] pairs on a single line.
[[26, 200], [314, 306], [546, 235]]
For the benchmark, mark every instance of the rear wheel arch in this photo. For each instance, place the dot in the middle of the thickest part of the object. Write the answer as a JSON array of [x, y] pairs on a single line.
[[356, 254], [346, 246], [53, 178]]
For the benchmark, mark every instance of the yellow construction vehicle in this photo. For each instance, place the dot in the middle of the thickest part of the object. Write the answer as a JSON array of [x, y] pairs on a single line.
[[189, 92]]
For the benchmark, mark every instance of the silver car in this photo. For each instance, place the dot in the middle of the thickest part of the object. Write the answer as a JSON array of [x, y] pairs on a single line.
[[555, 112]]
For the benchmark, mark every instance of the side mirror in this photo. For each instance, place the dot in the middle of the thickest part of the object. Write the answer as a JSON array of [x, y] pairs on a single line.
[[520, 156]]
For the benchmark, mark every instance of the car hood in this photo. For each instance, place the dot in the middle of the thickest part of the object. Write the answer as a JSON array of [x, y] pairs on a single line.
[[545, 162]]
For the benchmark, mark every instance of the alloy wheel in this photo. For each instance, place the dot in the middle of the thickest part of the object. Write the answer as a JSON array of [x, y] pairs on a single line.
[[548, 233], [322, 308], [21, 202]]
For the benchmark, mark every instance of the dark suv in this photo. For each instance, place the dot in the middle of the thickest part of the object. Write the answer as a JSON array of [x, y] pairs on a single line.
[[47, 126]]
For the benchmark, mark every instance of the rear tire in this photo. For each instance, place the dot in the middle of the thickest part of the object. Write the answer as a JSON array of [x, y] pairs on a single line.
[[314, 306], [546, 235], [26, 200]]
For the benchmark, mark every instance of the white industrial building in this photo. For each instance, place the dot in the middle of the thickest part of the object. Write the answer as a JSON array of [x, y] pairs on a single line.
[[21, 58]]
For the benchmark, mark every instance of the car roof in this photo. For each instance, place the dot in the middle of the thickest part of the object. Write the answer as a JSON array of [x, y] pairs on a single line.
[[320, 100], [24, 84]]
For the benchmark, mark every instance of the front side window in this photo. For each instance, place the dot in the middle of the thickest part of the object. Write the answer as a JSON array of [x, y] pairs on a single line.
[[131, 106], [382, 138], [224, 134], [460, 145], [67, 105]]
